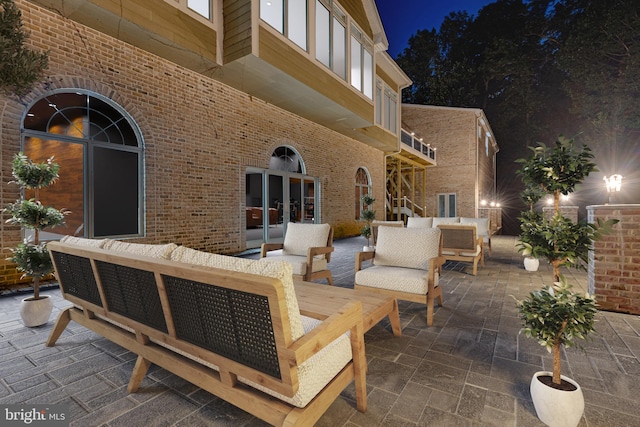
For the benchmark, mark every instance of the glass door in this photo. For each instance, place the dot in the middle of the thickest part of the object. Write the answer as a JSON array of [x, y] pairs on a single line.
[[274, 199]]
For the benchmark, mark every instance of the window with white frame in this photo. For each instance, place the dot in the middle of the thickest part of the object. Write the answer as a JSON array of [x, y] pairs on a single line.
[[361, 63], [447, 205], [201, 7], [288, 17], [331, 37], [386, 104]]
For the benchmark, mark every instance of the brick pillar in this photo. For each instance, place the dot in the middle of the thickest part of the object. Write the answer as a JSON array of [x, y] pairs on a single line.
[[614, 262], [570, 212]]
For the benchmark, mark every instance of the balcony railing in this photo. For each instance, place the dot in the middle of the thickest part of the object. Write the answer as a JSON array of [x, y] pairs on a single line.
[[416, 143]]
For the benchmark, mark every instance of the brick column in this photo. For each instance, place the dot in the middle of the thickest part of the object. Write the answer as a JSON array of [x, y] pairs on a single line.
[[614, 262], [570, 212]]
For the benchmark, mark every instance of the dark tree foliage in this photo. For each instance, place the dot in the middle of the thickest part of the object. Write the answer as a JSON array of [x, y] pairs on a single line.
[[538, 68], [20, 67]]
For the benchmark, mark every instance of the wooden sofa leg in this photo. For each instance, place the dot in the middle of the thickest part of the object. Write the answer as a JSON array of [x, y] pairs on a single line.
[[139, 371], [63, 320]]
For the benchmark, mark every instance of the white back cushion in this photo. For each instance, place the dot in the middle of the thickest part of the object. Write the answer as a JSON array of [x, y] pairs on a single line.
[[81, 241], [445, 220], [407, 247], [300, 237], [277, 269], [482, 224], [416, 221], [154, 251]]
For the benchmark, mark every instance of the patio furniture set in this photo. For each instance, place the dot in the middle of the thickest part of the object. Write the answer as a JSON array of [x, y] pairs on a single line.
[[255, 333]]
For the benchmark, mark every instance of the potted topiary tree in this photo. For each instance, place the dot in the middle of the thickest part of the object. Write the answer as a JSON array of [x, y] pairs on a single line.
[[556, 314], [368, 215], [31, 256]]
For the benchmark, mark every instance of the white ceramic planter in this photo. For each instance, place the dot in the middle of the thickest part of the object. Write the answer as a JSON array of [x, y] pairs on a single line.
[[36, 312], [557, 408], [531, 264], [368, 248]]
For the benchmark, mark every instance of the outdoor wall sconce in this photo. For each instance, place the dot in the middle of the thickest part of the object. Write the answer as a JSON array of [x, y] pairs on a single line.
[[613, 184]]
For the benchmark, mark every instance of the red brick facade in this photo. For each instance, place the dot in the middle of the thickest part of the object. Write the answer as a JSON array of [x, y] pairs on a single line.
[[199, 138], [614, 267]]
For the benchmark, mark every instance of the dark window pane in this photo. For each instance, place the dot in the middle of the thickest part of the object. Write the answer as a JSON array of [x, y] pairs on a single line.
[[115, 183]]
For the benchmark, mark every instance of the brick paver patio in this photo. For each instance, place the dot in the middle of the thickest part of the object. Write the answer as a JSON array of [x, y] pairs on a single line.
[[471, 368]]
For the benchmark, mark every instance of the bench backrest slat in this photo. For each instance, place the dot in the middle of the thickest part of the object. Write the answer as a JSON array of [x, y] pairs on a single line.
[[234, 324]]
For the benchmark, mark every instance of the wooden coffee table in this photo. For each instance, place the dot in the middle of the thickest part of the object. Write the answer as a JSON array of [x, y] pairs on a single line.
[[321, 301]]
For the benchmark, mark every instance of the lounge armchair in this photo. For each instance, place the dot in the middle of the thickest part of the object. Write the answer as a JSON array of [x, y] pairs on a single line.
[[461, 243], [307, 247], [482, 228], [406, 265]]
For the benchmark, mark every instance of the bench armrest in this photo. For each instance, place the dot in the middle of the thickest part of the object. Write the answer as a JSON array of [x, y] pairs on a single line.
[[348, 318]]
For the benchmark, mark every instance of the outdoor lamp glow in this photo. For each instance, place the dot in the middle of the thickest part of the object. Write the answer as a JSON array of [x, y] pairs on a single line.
[[613, 183]]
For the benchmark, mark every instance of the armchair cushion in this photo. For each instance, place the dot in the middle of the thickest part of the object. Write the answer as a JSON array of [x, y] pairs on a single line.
[[300, 237], [400, 279], [391, 248], [482, 225], [298, 262], [416, 221]]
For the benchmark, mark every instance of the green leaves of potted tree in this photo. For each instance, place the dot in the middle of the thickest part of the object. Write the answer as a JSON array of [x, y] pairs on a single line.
[[556, 315], [31, 256], [368, 215]]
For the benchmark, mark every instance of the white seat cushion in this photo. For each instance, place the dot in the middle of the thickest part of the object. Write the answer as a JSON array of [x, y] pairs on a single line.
[[394, 278], [279, 270], [406, 247], [470, 254], [300, 237], [416, 221], [298, 262]]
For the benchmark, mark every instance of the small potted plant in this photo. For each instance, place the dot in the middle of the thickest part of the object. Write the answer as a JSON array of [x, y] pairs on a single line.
[[368, 215], [556, 317], [31, 256], [530, 196]]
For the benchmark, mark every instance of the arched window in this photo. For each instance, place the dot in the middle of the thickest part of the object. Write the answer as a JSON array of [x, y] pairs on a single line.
[[286, 159], [363, 186], [100, 152]]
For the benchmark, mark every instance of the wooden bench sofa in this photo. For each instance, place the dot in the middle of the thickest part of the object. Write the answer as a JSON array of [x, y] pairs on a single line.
[[229, 325]]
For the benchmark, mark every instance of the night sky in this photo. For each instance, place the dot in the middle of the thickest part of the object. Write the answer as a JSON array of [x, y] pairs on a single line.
[[402, 18]]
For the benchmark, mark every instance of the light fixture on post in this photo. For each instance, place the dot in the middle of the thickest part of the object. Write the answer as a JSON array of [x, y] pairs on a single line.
[[613, 184]]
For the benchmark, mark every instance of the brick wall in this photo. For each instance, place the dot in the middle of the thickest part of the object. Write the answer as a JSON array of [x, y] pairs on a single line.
[[614, 263], [462, 164], [199, 137]]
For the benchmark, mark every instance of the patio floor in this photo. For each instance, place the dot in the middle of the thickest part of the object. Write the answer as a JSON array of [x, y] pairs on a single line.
[[471, 368]]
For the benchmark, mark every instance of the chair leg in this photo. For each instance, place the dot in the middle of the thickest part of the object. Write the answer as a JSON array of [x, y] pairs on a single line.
[[429, 311]]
